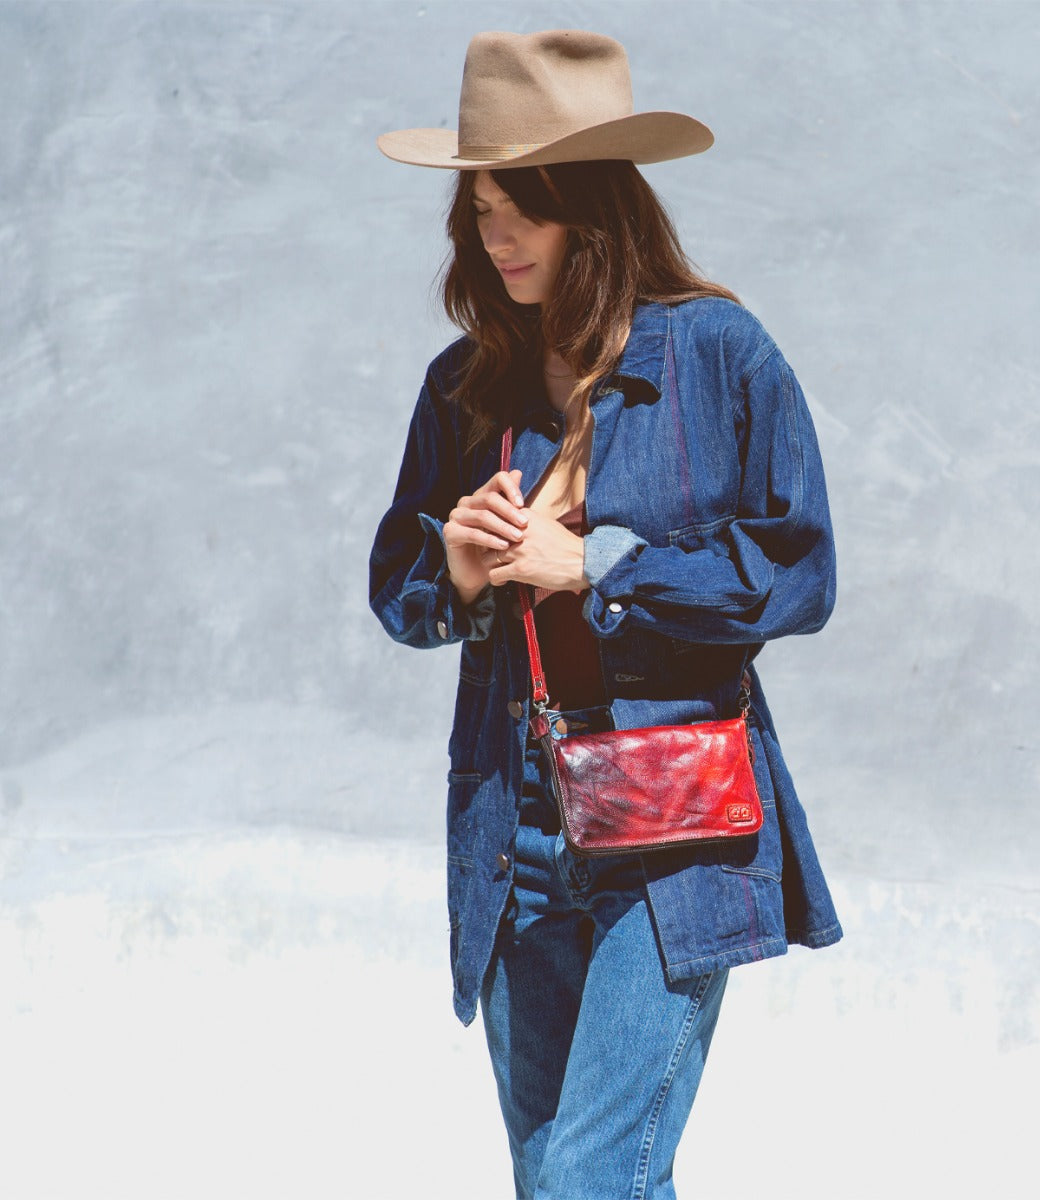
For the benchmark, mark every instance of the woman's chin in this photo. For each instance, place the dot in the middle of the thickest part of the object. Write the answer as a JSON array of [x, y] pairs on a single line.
[[528, 297]]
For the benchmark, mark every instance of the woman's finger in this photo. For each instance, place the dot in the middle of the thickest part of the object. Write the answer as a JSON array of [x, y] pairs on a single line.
[[475, 537], [506, 570], [482, 518], [506, 483], [495, 502], [496, 557]]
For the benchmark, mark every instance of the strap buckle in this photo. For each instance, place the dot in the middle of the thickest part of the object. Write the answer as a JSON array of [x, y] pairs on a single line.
[[744, 696]]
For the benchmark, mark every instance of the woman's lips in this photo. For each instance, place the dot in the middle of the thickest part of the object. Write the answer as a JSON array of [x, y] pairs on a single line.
[[510, 272]]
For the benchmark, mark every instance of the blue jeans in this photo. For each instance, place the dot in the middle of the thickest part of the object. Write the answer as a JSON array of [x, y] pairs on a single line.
[[597, 1058]]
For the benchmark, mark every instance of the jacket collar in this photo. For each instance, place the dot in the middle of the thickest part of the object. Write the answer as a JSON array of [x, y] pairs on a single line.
[[644, 354], [643, 359]]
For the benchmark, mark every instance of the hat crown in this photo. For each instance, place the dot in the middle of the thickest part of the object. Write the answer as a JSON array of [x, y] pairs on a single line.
[[524, 90]]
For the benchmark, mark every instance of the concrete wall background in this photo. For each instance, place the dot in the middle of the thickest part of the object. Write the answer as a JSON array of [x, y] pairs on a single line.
[[215, 312], [217, 309]]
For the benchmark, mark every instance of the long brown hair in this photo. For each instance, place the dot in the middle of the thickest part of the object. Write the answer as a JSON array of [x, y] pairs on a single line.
[[622, 249]]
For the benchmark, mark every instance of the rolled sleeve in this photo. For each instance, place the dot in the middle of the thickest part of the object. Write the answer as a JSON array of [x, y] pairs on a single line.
[[452, 621], [410, 590], [610, 556]]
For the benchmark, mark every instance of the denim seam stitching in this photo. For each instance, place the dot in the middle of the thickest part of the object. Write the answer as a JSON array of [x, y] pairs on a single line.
[[764, 355], [755, 872], [745, 953], [643, 1165], [802, 936]]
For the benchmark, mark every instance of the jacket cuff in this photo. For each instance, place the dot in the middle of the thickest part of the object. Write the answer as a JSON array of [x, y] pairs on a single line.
[[610, 555], [453, 621], [605, 547]]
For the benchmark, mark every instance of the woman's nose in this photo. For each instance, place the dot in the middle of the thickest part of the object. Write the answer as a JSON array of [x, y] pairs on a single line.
[[498, 233]]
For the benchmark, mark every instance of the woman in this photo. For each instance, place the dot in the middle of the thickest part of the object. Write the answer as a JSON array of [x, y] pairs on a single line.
[[665, 504]]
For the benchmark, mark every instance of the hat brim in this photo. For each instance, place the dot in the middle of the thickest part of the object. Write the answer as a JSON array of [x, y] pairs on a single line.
[[641, 138]]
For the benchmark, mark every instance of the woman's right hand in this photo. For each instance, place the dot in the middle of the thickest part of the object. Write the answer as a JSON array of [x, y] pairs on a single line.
[[493, 518]]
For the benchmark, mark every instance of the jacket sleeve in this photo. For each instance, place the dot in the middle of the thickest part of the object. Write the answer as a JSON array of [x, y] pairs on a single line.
[[409, 588], [767, 572]]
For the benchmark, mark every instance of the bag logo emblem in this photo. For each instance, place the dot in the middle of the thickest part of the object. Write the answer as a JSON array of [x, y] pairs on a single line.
[[738, 813]]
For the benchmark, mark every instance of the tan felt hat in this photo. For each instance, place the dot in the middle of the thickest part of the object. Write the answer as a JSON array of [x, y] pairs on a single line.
[[528, 99]]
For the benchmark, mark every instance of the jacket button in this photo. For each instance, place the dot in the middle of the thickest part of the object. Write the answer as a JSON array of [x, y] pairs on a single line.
[[502, 862], [615, 607], [516, 709], [561, 727], [442, 629]]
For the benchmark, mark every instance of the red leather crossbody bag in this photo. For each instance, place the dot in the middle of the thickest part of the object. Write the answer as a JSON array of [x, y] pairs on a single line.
[[636, 790]]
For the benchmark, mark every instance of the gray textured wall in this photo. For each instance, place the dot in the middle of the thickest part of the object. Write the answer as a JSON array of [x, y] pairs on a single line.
[[216, 311], [221, 787]]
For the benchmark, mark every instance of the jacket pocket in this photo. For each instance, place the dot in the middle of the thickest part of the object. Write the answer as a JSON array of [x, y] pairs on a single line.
[[700, 535]]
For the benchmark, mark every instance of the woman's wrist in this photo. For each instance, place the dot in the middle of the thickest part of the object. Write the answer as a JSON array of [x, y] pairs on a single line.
[[468, 593]]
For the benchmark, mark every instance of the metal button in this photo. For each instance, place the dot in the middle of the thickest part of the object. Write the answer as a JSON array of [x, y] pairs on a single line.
[[615, 607], [442, 629], [561, 727], [516, 709], [502, 862]]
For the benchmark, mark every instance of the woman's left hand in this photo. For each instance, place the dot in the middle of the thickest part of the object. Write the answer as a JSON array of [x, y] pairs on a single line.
[[549, 556]]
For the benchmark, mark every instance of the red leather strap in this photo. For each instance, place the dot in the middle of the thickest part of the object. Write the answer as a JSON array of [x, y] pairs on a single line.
[[539, 694]]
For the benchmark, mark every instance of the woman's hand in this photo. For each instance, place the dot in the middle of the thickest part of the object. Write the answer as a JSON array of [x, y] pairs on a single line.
[[547, 556], [480, 526]]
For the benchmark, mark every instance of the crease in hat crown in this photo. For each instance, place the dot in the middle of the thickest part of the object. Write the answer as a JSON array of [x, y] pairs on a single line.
[[570, 80], [556, 96]]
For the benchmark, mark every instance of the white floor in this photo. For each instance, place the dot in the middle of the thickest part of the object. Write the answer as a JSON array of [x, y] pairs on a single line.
[[240, 1009]]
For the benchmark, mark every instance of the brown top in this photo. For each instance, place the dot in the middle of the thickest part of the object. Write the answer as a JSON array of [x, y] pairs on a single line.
[[570, 658]]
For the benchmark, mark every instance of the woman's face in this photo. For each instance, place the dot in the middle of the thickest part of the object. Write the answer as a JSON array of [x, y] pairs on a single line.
[[528, 255]]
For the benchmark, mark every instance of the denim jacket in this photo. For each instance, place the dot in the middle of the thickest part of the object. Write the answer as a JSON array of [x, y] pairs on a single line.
[[709, 534]]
